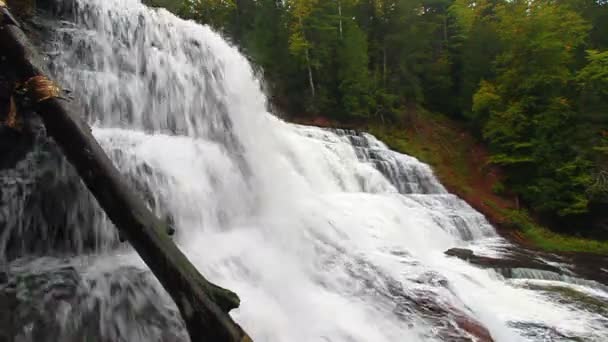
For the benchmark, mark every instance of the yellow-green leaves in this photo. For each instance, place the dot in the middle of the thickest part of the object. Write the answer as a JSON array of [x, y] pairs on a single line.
[[595, 75], [300, 12], [298, 43], [486, 99]]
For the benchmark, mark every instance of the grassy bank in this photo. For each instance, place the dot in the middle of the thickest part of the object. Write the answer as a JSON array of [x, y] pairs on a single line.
[[461, 165], [545, 239]]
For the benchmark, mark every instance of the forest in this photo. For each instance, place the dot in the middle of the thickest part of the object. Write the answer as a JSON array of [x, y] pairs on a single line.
[[528, 78]]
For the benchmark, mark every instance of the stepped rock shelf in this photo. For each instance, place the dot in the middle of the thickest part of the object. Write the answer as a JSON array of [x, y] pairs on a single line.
[[204, 306]]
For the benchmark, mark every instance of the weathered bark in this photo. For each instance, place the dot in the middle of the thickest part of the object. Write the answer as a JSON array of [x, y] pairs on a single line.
[[310, 78], [340, 16], [203, 305], [384, 66], [506, 263]]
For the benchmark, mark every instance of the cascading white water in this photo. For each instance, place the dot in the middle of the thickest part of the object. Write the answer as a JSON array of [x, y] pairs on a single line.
[[325, 235]]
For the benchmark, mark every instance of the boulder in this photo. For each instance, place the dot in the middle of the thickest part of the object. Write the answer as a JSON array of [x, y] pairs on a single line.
[[587, 266], [504, 265]]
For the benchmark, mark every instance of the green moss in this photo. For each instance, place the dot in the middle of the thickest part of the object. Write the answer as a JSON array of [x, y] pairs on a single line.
[[499, 188], [545, 239], [552, 241]]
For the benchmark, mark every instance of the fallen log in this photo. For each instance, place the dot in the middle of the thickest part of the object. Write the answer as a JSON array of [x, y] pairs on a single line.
[[204, 306]]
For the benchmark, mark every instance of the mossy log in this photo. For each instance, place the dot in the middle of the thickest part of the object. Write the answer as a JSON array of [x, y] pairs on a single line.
[[203, 305]]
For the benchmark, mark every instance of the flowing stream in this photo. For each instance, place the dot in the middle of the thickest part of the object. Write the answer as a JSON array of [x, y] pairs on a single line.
[[325, 235]]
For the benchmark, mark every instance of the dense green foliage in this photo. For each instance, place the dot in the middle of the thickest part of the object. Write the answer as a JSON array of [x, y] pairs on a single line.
[[529, 77]]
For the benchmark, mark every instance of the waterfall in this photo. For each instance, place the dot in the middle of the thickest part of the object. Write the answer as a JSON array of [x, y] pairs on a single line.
[[326, 235]]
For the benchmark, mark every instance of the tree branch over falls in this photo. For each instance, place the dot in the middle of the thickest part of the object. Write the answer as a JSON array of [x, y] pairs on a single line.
[[203, 305]]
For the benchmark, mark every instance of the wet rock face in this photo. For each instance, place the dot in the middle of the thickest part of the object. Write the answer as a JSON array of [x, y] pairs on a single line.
[[519, 262], [51, 302], [514, 261], [13, 145], [8, 305], [56, 213], [55, 209], [36, 185], [44, 207]]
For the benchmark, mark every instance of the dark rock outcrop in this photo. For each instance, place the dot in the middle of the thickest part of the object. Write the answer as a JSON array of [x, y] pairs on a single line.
[[56, 214], [581, 266], [504, 264], [586, 265], [55, 302]]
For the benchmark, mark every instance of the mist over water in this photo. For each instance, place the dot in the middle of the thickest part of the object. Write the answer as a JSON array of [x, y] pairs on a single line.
[[325, 235]]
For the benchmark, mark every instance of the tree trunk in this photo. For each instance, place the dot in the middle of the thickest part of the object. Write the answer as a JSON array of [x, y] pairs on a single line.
[[203, 305], [445, 29], [384, 67], [445, 32], [340, 15], [311, 81]]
